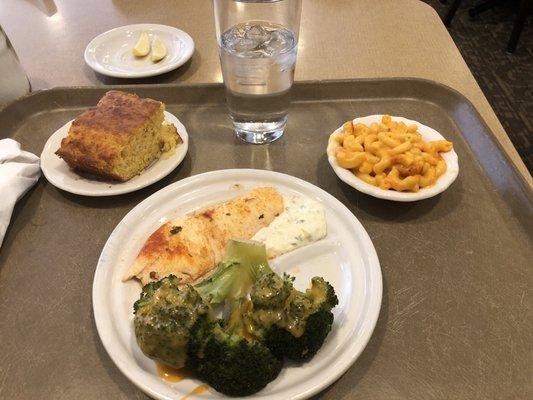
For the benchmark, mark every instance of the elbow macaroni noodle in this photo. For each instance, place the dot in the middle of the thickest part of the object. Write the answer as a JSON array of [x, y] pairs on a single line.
[[391, 155]]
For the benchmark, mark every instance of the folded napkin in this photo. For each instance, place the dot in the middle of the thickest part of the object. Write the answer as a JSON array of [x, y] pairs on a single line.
[[19, 170]]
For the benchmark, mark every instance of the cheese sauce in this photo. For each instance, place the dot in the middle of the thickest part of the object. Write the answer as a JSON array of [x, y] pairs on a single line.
[[198, 390], [170, 374], [303, 221]]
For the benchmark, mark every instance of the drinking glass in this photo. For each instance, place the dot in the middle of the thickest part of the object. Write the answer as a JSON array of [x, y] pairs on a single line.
[[258, 41], [13, 81]]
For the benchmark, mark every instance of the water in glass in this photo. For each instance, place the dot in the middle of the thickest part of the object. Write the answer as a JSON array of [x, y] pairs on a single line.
[[258, 60]]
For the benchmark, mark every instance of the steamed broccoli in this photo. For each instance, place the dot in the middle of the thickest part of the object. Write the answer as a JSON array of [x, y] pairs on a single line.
[[231, 360], [233, 364], [271, 291], [165, 316], [290, 323], [269, 320], [174, 325]]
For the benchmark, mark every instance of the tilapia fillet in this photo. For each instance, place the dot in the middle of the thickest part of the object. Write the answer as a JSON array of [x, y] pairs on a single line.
[[191, 246]]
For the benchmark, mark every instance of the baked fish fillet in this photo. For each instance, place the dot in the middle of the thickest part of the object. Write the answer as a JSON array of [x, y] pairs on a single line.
[[191, 246]]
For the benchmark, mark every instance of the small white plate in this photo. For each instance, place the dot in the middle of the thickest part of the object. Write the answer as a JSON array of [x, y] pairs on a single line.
[[345, 257], [110, 53], [428, 134], [60, 175]]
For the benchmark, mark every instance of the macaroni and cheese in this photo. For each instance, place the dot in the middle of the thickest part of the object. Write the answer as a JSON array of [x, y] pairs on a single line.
[[391, 155]]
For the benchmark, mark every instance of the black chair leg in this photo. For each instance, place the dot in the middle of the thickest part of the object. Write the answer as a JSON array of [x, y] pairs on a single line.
[[483, 6], [518, 26], [451, 12]]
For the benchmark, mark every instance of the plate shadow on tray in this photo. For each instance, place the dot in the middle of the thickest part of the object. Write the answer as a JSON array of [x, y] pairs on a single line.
[[343, 386], [188, 67], [379, 209], [181, 171], [387, 209]]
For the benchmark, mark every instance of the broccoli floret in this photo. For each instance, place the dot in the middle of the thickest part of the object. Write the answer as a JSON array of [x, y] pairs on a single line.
[[303, 348], [322, 293], [235, 365], [298, 326], [271, 291], [147, 292], [229, 358], [165, 315]]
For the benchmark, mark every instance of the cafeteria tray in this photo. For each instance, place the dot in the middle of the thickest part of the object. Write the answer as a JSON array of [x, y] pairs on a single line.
[[455, 320]]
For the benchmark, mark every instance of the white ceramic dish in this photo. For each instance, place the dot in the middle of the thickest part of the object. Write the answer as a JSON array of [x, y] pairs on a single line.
[[110, 52], [346, 258], [60, 175], [427, 134]]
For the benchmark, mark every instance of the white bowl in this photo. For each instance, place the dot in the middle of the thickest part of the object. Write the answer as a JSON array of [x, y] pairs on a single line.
[[110, 53], [428, 134]]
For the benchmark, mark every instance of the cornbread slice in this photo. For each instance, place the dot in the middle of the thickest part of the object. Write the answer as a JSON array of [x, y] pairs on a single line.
[[169, 139], [118, 138]]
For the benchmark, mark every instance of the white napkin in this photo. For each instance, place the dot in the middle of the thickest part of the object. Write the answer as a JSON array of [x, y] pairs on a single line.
[[19, 170]]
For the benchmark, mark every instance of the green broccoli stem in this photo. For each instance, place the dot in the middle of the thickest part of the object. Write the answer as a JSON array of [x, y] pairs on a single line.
[[244, 262], [235, 323]]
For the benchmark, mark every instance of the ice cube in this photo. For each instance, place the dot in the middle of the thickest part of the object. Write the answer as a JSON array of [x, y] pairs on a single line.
[[244, 45], [274, 44], [255, 40], [256, 33]]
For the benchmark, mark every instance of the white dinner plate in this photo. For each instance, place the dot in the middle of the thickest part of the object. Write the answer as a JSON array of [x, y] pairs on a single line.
[[60, 175], [427, 133], [346, 258], [110, 53]]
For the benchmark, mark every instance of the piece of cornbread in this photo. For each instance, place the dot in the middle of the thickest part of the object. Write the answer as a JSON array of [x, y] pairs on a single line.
[[118, 138]]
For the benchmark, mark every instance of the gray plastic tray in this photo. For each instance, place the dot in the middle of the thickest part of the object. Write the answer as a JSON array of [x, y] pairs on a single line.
[[455, 320]]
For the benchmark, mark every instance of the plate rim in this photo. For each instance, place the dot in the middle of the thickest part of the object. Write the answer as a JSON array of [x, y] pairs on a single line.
[[179, 156], [181, 34], [351, 180], [374, 274]]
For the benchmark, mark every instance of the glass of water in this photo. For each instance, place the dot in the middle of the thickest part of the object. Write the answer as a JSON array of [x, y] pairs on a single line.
[[13, 81], [258, 41]]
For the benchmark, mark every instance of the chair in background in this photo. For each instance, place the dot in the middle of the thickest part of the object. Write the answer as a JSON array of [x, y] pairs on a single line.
[[487, 4]]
